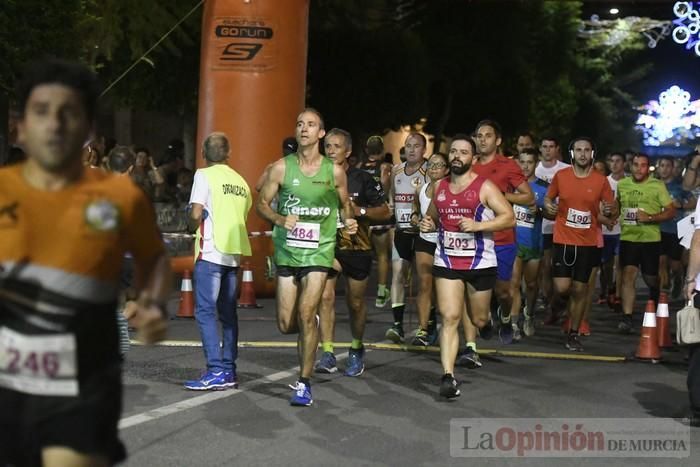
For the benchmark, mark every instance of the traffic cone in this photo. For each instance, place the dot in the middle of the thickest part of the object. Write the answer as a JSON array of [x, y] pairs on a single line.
[[247, 298], [648, 348], [186, 309], [662, 322]]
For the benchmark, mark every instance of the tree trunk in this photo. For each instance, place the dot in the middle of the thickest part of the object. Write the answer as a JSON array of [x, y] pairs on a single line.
[[4, 128]]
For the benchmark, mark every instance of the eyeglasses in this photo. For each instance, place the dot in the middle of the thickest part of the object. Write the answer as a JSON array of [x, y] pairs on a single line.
[[437, 165]]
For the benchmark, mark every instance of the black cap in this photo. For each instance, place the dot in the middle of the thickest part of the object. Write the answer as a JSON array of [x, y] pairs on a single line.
[[289, 146]]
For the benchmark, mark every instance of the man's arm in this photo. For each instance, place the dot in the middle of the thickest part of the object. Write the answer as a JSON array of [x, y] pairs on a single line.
[[385, 176], [524, 196], [153, 281], [268, 192], [693, 265], [263, 176], [492, 197], [345, 206], [690, 178], [665, 215]]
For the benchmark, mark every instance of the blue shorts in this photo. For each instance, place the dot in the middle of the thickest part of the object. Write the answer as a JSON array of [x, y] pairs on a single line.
[[505, 257], [611, 247]]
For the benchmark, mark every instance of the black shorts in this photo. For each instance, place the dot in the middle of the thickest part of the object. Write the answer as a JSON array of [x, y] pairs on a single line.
[[299, 272], [574, 262], [547, 241], [404, 245], [671, 246], [480, 279], [424, 246], [643, 255], [86, 423], [381, 229], [355, 265]]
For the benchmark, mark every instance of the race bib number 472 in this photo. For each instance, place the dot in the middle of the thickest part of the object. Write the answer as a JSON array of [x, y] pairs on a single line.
[[44, 365], [304, 235]]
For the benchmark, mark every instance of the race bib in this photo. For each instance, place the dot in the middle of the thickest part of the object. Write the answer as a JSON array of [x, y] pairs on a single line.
[[429, 236], [403, 218], [629, 216], [338, 223], [44, 365], [524, 217], [304, 235], [459, 244], [578, 219]]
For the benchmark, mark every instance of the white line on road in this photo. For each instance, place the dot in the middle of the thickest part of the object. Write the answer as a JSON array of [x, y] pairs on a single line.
[[209, 396]]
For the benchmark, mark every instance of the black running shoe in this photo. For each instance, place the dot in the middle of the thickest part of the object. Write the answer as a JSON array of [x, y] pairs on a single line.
[[449, 387]]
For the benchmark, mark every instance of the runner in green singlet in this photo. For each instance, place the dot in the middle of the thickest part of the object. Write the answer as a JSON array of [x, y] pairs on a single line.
[[311, 189]]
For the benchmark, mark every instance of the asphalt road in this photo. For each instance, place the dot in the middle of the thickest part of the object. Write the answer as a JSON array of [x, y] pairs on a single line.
[[392, 414]]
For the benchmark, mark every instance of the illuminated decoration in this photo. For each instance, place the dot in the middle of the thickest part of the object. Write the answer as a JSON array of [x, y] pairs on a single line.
[[673, 119], [611, 33], [687, 25]]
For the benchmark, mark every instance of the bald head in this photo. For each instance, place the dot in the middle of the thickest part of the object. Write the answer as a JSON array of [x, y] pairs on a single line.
[[216, 147]]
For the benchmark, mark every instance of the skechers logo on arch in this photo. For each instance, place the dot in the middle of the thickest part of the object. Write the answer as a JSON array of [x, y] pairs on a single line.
[[292, 206]]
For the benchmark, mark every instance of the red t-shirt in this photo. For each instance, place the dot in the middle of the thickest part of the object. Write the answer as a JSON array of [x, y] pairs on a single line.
[[506, 174], [579, 204]]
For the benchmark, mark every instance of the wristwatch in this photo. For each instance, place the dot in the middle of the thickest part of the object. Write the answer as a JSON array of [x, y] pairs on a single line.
[[363, 212]]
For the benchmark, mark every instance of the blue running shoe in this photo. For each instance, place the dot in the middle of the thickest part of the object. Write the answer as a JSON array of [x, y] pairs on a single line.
[[505, 333], [231, 379], [433, 335], [209, 381], [326, 364], [301, 395], [487, 331], [356, 364]]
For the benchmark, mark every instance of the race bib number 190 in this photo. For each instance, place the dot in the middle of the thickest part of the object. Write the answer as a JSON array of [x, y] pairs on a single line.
[[578, 219], [44, 365], [304, 235]]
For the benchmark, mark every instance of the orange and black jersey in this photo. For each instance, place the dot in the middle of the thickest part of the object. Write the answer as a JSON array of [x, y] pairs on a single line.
[[366, 193], [61, 255]]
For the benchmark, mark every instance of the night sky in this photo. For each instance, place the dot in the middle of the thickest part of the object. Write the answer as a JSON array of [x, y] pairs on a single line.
[[673, 64]]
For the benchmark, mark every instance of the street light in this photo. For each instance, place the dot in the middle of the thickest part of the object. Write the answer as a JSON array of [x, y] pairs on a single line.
[[614, 11]]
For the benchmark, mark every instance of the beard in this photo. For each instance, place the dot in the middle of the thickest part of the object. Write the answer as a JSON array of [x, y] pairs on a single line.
[[580, 166], [460, 169]]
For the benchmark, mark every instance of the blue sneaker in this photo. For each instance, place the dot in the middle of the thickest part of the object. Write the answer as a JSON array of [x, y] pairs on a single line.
[[231, 380], [301, 395], [487, 331], [356, 364], [212, 381], [505, 333], [326, 364]]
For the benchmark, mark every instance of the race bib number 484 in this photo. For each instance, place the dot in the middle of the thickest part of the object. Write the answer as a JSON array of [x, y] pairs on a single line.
[[304, 235], [44, 365]]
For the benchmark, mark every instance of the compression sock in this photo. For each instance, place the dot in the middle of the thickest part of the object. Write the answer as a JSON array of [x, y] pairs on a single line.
[[397, 311]]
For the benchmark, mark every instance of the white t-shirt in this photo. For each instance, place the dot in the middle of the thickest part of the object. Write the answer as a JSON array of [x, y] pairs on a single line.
[[616, 228], [202, 195], [547, 174], [697, 227]]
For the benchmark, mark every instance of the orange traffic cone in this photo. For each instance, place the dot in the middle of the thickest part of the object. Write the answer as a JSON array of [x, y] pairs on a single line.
[[186, 309], [247, 298], [662, 322], [648, 341]]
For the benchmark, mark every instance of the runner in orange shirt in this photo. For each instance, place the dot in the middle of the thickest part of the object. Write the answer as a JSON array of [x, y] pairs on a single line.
[[65, 230], [581, 190]]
